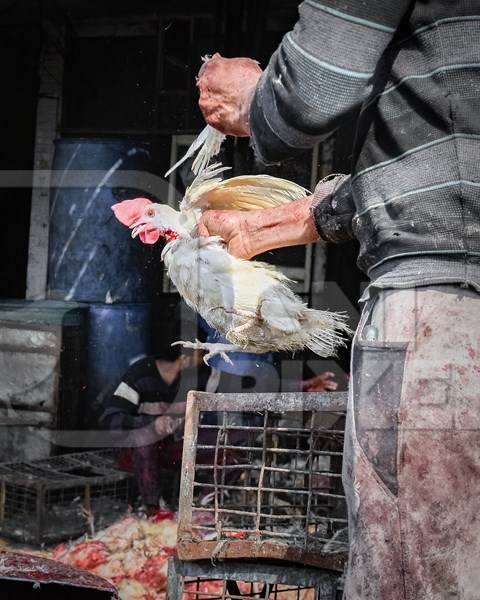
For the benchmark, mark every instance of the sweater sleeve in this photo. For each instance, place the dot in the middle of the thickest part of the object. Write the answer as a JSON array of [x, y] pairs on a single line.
[[321, 73], [333, 209], [120, 410]]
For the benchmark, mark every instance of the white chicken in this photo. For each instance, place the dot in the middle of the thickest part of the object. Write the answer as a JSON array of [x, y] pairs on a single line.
[[250, 303]]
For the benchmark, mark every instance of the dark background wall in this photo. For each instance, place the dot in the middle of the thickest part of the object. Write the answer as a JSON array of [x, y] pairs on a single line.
[[130, 71], [19, 58]]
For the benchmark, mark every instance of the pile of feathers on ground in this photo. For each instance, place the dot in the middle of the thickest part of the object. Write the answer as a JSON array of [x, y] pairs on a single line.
[[132, 554]]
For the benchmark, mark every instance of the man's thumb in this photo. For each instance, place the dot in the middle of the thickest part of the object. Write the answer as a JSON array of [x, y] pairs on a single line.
[[202, 230]]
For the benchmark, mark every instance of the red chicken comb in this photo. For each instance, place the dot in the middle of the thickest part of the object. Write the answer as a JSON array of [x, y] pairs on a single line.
[[128, 211]]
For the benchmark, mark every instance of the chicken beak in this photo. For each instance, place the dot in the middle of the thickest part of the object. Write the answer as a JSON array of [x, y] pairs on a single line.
[[137, 227]]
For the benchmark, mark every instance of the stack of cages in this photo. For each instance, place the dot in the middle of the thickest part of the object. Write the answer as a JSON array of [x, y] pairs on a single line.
[[239, 580], [261, 480], [50, 500]]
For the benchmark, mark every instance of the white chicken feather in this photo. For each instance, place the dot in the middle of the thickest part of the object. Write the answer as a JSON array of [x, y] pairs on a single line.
[[250, 303], [208, 144]]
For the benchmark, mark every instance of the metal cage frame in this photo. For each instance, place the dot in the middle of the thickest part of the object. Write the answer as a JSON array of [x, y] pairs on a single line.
[[189, 546], [322, 584], [29, 490]]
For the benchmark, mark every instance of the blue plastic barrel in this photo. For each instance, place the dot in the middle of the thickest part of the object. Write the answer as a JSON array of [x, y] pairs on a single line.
[[92, 256], [118, 334], [259, 368]]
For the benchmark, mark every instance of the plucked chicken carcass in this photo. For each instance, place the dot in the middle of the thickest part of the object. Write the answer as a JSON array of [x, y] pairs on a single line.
[[250, 303]]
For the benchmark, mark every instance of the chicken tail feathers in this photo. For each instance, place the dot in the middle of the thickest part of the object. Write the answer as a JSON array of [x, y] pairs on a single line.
[[326, 331]]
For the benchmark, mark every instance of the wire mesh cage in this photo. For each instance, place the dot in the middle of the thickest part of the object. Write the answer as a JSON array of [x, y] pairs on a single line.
[[261, 478], [54, 499], [200, 580]]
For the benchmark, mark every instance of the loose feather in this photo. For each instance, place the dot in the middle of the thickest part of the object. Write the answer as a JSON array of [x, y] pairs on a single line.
[[208, 143]]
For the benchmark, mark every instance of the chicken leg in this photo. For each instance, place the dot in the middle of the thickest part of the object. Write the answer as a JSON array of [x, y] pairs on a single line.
[[213, 349]]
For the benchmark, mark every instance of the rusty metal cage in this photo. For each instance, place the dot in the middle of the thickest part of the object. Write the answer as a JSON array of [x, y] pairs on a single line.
[[200, 580], [55, 499], [261, 478]]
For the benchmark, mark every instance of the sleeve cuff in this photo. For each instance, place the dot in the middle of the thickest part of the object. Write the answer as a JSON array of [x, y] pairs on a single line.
[[333, 209]]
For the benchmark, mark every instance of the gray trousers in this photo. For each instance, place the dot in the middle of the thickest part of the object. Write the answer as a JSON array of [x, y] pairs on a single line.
[[412, 450]]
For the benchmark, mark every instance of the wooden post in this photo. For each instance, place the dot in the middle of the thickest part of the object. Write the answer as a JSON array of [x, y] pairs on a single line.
[[48, 117]]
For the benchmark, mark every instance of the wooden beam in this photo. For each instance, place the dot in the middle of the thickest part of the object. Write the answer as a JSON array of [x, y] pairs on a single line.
[[48, 118]]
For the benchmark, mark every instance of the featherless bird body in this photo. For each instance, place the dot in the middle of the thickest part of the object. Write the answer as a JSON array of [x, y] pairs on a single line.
[[250, 303]]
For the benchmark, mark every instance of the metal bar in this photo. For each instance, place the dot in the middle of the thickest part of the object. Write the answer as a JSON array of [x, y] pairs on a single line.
[[261, 476], [314, 519], [87, 498], [309, 480], [267, 489], [218, 523], [286, 430], [272, 474], [244, 571], [240, 467], [303, 472], [39, 506], [273, 450], [275, 402], [199, 594], [185, 501], [224, 458], [233, 511], [226, 510], [174, 582], [57, 484]]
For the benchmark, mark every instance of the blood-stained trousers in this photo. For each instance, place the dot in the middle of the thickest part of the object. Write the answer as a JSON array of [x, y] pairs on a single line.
[[412, 450]]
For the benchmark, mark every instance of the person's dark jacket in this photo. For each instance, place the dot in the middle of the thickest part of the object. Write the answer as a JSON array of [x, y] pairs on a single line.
[[411, 70], [142, 396]]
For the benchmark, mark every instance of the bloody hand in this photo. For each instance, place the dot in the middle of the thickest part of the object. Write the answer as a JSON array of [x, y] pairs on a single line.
[[226, 88], [320, 383], [248, 233]]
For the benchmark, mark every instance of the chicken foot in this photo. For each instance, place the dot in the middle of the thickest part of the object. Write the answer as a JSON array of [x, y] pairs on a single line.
[[213, 349]]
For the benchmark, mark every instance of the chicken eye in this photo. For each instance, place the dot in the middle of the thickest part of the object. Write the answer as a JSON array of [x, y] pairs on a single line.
[[150, 212]]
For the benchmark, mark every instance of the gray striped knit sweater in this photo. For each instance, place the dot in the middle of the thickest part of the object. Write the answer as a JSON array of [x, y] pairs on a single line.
[[412, 68]]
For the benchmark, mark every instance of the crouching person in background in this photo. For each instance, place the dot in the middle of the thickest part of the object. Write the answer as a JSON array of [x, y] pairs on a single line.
[[146, 413]]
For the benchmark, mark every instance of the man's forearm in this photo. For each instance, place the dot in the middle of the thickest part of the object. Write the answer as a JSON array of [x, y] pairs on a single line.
[[327, 215], [289, 225]]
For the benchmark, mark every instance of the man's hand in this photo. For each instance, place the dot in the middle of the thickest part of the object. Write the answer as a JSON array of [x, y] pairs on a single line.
[[233, 227], [320, 383], [248, 233], [166, 425], [226, 89]]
